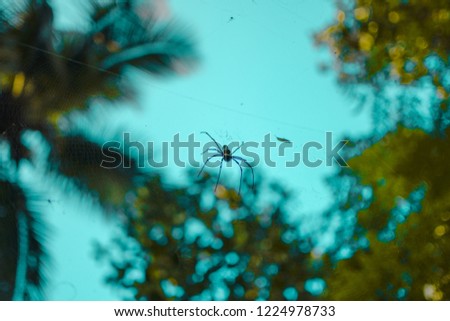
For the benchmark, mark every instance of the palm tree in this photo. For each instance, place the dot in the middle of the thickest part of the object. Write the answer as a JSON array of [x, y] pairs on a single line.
[[46, 73]]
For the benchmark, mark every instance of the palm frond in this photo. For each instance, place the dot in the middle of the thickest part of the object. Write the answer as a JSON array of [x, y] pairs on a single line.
[[22, 271], [81, 160], [129, 39], [12, 124]]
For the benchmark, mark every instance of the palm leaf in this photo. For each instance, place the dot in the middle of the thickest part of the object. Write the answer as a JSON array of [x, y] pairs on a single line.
[[81, 159], [80, 65], [21, 246], [46, 72]]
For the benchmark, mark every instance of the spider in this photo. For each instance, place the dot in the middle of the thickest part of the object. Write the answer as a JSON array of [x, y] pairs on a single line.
[[227, 156]]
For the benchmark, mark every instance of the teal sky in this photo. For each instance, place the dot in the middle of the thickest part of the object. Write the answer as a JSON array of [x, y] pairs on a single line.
[[258, 74]]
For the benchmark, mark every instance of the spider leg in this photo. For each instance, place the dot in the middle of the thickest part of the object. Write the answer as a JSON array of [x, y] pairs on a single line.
[[237, 148], [218, 177], [251, 167], [217, 144], [201, 170], [240, 181], [211, 148]]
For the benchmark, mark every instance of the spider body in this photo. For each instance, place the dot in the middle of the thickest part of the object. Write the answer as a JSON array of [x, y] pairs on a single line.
[[227, 155]]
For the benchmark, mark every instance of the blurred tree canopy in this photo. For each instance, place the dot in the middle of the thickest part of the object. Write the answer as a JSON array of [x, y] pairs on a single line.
[[191, 243], [391, 39], [187, 243], [394, 45], [398, 190], [393, 200], [45, 74]]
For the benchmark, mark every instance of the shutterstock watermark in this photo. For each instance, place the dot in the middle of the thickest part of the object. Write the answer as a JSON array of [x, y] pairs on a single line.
[[190, 152]]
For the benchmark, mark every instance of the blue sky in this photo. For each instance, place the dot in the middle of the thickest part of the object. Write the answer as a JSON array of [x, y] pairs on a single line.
[[258, 74]]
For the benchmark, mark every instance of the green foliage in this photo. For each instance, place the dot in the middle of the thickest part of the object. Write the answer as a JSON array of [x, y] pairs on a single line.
[[393, 201], [394, 55], [400, 241], [386, 40], [194, 244], [46, 73], [20, 228]]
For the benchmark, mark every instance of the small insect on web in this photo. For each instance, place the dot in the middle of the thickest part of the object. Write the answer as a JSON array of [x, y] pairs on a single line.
[[283, 140], [227, 155]]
